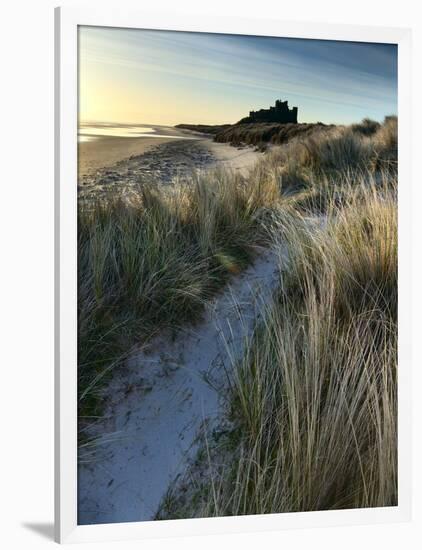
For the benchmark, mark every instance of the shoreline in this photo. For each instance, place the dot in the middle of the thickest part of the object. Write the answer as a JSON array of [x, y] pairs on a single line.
[[138, 161], [105, 151]]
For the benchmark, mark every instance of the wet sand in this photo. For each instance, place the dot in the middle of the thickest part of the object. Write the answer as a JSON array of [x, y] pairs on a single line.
[[112, 165], [106, 151]]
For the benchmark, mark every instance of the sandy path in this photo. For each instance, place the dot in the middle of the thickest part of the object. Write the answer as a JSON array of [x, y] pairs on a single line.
[[159, 402], [241, 159]]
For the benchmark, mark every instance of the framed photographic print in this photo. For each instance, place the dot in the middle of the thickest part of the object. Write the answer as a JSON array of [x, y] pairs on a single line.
[[232, 275]]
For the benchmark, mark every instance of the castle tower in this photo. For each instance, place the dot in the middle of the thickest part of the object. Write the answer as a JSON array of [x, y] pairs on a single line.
[[280, 113]]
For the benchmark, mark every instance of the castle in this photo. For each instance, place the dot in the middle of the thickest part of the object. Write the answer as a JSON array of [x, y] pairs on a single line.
[[279, 113]]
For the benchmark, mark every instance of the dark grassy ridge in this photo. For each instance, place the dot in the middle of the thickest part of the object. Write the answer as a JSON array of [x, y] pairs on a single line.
[[276, 133], [203, 128], [256, 133]]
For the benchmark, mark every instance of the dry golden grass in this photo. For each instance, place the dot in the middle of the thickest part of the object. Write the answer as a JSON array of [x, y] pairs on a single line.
[[312, 403], [152, 262], [313, 400]]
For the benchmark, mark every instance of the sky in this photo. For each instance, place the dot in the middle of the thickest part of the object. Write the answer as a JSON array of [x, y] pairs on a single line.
[[132, 76]]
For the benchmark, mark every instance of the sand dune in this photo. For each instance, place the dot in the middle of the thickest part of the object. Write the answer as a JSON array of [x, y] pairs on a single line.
[[158, 404]]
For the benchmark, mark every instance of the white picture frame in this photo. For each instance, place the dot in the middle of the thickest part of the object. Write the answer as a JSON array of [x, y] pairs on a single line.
[[67, 21]]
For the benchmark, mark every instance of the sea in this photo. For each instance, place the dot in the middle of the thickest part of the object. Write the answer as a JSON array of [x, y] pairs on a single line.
[[91, 131]]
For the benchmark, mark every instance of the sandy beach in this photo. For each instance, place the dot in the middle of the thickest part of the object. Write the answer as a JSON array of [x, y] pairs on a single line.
[[102, 145], [110, 165], [106, 151]]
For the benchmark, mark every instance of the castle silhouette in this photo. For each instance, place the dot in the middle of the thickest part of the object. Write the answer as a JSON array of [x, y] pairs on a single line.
[[279, 113]]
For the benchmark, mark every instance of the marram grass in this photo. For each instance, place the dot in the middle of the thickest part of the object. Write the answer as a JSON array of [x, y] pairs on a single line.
[[311, 422], [312, 403], [151, 262]]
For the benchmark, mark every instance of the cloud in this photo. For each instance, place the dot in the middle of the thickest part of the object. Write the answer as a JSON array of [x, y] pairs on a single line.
[[319, 74]]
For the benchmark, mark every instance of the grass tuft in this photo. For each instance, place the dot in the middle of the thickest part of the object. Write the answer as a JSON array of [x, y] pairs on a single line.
[[151, 263], [313, 399]]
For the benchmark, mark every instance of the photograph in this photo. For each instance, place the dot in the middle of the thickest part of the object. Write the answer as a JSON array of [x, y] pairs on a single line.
[[237, 275]]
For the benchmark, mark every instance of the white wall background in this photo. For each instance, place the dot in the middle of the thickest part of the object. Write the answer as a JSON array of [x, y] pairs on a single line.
[[26, 270]]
